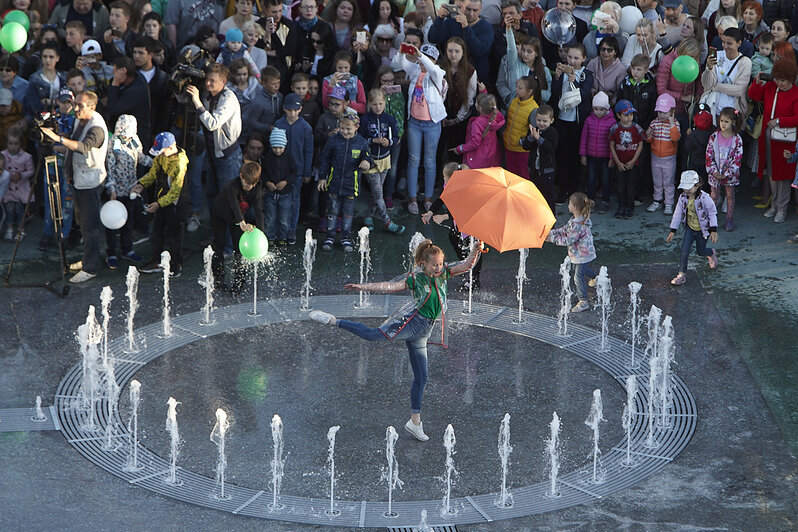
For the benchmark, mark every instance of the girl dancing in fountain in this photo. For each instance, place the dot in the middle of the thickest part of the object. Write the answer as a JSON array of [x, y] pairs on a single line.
[[413, 322]]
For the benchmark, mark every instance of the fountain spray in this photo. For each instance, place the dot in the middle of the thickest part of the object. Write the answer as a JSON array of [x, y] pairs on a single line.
[[520, 278], [39, 417], [653, 390], [308, 256], [470, 278], [553, 448], [206, 281], [422, 525], [634, 303], [174, 446], [629, 412], [254, 288], [595, 417], [565, 297], [218, 435], [391, 473], [166, 261], [132, 282], [278, 463], [652, 324], [105, 305], [365, 264], [448, 442], [331, 461], [505, 497], [667, 352], [111, 402], [133, 427], [415, 240], [603, 292]]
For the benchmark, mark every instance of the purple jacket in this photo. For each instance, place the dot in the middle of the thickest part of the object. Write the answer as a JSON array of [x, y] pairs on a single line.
[[596, 136], [481, 150], [576, 235], [704, 208]]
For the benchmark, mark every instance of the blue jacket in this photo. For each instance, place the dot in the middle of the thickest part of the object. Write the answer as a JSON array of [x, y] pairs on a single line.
[[379, 126], [38, 89], [263, 111], [478, 39], [300, 144], [339, 163]]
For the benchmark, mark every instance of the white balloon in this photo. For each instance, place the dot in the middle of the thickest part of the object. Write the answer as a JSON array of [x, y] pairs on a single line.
[[630, 15], [113, 214]]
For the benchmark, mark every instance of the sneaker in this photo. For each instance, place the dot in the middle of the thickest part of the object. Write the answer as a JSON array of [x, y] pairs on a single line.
[[389, 204], [770, 213], [412, 207], [729, 226], [111, 262], [763, 205], [368, 221], [76, 266], [328, 244], [668, 209], [82, 276], [592, 283], [427, 206], [603, 207], [133, 257], [175, 272], [151, 267], [416, 430], [9, 236], [45, 243], [347, 245], [290, 241], [780, 216], [654, 207], [395, 228], [140, 238], [713, 259], [193, 223], [638, 203], [679, 279], [322, 317], [619, 214], [793, 239], [629, 213], [581, 306]]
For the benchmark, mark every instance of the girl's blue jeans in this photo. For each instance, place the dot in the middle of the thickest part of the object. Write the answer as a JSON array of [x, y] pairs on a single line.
[[429, 132], [701, 248], [598, 171], [415, 330], [583, 272]]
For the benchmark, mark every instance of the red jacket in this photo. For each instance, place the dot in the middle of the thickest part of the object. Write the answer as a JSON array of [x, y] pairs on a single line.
[[595, 140], [481, 150], [787, 113]]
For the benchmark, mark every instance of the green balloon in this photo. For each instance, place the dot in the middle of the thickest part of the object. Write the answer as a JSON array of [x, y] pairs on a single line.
[[13, 36], [254, 245], [685, 69], [16, 15]]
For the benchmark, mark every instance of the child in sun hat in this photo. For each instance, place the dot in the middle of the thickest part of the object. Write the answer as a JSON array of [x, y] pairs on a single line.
[[696, 209]]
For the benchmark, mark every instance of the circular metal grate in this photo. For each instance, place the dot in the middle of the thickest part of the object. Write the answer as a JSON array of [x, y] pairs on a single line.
[[575, 487]]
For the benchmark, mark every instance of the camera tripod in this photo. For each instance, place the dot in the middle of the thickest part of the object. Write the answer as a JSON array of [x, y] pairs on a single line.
[[53, 185]]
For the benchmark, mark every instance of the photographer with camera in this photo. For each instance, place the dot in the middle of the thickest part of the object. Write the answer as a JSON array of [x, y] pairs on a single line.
[[220, 116], [461, 19], [85, 167]]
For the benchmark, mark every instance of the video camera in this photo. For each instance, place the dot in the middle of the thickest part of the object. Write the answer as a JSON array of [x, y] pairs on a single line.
[[190, 70], [44, 119]]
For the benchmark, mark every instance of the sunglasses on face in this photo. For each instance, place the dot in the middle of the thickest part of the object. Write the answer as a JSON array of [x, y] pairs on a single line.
[[6, 69], [317, 41], [608, 50]]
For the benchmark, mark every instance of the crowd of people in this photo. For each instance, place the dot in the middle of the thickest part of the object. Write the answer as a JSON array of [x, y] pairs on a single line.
[[263, 114]]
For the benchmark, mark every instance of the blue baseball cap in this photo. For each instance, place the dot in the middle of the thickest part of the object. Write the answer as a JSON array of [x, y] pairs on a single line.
[[162, 141], [292, 102], [624, 107]]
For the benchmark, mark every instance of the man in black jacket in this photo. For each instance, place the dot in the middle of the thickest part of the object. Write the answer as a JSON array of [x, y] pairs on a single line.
[[129, 94], [280, 41], [158, 82]]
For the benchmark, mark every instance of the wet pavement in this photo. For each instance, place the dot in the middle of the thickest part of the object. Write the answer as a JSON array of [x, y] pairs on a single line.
[[735, 334]]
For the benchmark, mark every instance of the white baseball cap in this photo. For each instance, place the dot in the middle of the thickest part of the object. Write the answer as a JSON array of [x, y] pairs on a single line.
[[90, 47]]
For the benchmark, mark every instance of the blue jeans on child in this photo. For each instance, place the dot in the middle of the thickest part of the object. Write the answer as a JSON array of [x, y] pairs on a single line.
[[583, 272], [701, 248], [390, 180], [597, 168], [415, 330], [277, 214], [429, 132], [343, 206]]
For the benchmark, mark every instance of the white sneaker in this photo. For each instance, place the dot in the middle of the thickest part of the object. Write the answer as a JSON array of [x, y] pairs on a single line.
[[780, 216], [668, 209], [321, 317], [82, 276], [76, 266], [581, 307], [416, 430], [193, 223], [654, 207]]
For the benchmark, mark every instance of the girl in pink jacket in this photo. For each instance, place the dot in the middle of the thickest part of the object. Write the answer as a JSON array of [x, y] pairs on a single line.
[[594, 149], [481, 148]]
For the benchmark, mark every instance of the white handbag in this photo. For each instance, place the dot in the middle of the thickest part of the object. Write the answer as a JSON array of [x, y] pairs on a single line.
[[571, 98], [782, 134]]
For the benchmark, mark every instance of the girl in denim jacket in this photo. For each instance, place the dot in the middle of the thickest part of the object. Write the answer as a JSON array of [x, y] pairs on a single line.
[[576, 234], [696, 209]]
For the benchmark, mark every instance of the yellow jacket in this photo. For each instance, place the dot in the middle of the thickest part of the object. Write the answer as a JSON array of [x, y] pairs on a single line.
[[168, 174], [517, 124]]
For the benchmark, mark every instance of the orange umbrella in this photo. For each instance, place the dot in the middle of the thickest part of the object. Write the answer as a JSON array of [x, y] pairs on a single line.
[[498, 207]]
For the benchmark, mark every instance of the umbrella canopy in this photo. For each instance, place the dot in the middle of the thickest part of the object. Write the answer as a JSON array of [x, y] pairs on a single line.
[[498, 207]]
